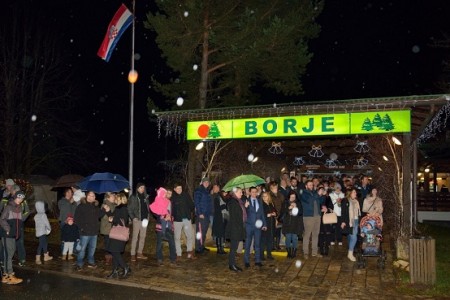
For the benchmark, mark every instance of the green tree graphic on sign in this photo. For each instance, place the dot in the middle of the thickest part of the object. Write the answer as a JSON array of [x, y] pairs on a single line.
[[367, 125], [387, 123], [214, 131], [377, 121]]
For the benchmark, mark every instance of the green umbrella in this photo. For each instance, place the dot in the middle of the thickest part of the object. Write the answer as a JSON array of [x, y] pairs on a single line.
[[243, 181]]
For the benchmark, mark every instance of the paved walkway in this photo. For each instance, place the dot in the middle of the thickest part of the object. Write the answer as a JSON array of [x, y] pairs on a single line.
[[330, 277]]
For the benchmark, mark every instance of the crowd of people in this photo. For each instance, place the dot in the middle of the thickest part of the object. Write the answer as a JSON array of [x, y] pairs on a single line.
[[254, 220]]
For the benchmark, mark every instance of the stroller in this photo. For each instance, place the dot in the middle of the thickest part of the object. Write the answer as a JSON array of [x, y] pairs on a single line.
[[371, 233]]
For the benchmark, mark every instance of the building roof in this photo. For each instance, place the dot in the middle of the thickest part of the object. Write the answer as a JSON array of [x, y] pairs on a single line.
[[424, 110]]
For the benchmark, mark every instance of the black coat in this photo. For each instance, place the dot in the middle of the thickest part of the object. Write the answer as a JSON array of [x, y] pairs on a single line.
[[327, 228], [120, 214], [182, 207], [235, 229], [291, 223], [268, 209], [218, 227]]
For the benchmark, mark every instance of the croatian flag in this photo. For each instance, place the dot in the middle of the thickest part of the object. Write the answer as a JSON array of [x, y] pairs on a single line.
[[119, 23]]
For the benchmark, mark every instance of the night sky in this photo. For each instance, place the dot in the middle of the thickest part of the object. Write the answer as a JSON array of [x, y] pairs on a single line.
[[365, 49]]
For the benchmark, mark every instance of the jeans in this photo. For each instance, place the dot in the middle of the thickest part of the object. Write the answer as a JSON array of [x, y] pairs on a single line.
[[353, 236], [185, 226], [202, 224], [167, 236], [88, 242], [43, 244], [291, 240]]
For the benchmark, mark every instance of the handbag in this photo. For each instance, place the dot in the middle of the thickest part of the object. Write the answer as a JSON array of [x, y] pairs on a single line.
[[329, 218], [120, 232]]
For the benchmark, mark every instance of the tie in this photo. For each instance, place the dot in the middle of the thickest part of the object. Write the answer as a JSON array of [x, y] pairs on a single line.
[[253, 202]]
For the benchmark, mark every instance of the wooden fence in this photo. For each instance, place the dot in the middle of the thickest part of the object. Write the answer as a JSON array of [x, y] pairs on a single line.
[[422, 260]]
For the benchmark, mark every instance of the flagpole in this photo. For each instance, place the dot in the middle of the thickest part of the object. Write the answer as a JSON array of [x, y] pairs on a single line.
[[132, 77]]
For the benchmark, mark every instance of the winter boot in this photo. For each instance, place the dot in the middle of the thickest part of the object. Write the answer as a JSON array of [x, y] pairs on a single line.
[[350, 256], [126, 272], [114, 274], [13, 279], [289, 251], [38, 260], [326, 248], [218, 246], [222, 246], [47, 257]]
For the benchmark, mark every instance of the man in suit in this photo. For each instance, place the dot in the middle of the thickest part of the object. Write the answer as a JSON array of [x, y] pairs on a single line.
[[256, 222]]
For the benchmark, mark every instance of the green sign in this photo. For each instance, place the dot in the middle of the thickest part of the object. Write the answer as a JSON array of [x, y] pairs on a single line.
[[298, 126]]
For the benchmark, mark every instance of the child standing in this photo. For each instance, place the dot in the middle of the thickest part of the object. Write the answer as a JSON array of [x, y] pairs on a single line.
[[69, 235], [43, 229], [11, 223]]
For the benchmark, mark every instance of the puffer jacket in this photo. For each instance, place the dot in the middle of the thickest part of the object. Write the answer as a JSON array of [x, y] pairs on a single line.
[[42, 224], [11, 221]]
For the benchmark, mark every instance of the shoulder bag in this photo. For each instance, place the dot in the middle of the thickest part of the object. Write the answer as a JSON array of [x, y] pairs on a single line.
[[329, 218], [120, 232]]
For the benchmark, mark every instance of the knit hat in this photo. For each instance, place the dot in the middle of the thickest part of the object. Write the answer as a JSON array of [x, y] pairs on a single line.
[[20, 195], [337, 186], [9, 181], [204, 179], [77, 195]]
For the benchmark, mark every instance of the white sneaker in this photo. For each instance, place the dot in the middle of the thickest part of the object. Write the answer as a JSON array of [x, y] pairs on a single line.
[[332, 243], [340, 243]]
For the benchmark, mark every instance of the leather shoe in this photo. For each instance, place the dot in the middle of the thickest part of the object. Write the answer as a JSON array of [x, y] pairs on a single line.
[[258, 264], [235, 268], [247, 265]]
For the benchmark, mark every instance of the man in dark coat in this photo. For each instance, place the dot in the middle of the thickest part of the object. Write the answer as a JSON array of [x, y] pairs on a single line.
[[202, 203], [235, 227]]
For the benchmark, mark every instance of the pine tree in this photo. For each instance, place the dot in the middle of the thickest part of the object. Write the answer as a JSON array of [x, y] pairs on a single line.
[[220, 50], [387, 123], [367, 125], [214, 131], [377, 121]]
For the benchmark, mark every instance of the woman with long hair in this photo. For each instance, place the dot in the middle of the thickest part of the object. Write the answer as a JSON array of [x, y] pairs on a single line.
[[267, 235], [373, 205], [116, 247], [350, 220], [235, 230]]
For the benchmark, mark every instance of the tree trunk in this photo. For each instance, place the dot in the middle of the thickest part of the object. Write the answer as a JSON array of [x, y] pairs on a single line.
[[205, 51]]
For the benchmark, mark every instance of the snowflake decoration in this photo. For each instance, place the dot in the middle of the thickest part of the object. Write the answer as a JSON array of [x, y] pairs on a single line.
[[362, 147], [276, 148], [298, 161], [362, 162], [309, 173], [316, 151], [337, 173], [330, 163]]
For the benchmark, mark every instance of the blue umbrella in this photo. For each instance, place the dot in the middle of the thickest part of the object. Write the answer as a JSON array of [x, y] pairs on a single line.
[[104, 182]]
